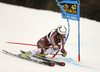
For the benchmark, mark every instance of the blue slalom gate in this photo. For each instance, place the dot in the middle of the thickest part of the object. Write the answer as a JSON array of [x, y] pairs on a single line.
[[70, 9]]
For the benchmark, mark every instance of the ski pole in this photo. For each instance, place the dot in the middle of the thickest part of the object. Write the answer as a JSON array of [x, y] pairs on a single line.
[[55, 54], [21, 43], [25, 44], [52, 54]]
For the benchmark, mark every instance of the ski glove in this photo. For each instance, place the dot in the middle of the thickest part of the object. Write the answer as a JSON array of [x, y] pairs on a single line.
[[64, 54], [55, 47]]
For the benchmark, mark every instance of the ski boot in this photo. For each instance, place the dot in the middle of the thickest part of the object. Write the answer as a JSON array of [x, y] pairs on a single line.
[[26, 54], [41, 55]]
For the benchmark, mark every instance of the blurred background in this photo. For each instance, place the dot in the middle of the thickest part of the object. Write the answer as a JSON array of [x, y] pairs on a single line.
[[88, 8]]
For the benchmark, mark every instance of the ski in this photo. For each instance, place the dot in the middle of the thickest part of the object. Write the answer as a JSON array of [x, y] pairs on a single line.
[[48, 60], [29, 59]]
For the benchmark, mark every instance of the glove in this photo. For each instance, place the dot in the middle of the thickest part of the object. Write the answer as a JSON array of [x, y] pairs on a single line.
[[64, 54], [55, 47]]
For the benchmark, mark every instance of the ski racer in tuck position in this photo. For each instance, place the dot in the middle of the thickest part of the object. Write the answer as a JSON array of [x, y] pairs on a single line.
[[55, 39]]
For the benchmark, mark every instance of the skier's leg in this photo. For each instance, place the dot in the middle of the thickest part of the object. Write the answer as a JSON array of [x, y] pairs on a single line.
[[49, 51], [36, 51], [41, 44]]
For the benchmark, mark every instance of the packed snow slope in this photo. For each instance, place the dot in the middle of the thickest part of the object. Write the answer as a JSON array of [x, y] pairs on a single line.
[[19, 24]]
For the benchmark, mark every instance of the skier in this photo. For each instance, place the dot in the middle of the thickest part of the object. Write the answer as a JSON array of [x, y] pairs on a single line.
[[55, 39]]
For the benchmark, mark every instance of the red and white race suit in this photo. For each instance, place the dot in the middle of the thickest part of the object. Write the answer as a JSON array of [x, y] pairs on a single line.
[[49, 40]]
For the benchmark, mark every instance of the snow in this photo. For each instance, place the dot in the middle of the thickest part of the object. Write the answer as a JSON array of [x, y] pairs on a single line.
[[20, 24]]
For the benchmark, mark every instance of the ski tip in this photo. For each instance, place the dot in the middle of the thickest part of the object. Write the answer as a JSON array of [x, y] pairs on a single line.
[[63, 64], [2, 49], [49, 63], [52, 64]]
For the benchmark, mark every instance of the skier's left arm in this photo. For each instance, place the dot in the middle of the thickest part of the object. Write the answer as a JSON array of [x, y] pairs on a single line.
[[63, 51]]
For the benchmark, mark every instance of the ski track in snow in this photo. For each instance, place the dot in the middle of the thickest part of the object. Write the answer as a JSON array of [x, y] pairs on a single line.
[[70, 60]]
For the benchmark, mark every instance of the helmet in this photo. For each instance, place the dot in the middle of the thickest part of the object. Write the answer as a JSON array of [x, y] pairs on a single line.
[[61, 30]]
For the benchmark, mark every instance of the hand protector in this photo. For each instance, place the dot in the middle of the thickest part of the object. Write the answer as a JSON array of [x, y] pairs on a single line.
[[64, 54], [55, 47]]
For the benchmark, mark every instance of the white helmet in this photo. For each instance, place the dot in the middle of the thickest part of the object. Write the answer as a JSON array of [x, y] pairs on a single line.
[[61, 30]]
